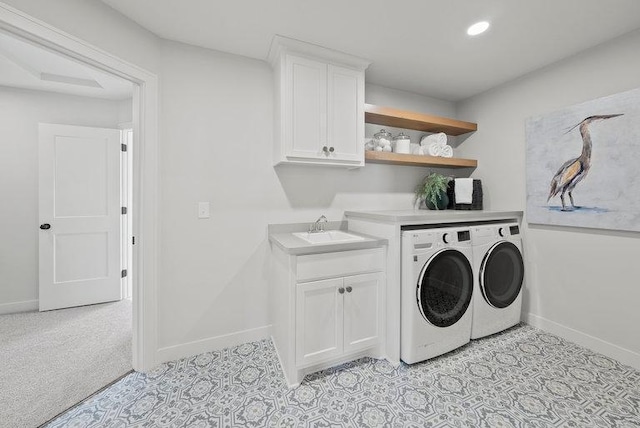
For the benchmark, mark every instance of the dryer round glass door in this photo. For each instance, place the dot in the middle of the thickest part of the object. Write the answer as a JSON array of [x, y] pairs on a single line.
[[445, 287], [501, 274]]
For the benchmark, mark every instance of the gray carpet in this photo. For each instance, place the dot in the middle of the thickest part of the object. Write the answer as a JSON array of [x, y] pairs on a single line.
[[52, 360], [523, 377]]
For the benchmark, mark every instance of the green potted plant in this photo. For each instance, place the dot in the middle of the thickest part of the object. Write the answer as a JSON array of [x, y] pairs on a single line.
[[433, 191]]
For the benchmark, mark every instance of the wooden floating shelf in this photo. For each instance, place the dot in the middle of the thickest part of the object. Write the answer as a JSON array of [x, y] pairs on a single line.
[[418, 121], [418, 160]]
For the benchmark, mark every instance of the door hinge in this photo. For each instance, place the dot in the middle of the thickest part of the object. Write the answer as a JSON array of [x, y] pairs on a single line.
[[123, 273], [123, 147], [133, 240], [123, 210]]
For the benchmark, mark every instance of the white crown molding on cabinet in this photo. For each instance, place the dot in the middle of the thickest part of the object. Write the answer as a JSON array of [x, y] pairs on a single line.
[[281, 44], [145, 179]]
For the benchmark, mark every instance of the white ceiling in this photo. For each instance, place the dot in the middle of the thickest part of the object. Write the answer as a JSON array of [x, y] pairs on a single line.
[[27, 66], [415, 45]]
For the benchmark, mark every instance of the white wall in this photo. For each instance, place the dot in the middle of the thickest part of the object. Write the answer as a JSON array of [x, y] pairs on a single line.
[[388, 97], [581, 283], [216, 126], [20, 113]]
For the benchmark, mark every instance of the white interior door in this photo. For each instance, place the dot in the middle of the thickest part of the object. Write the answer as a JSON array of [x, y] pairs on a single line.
[[79, 212]]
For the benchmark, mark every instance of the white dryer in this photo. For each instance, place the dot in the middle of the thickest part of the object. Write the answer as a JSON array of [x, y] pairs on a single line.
[[437, 291], [499, 270]]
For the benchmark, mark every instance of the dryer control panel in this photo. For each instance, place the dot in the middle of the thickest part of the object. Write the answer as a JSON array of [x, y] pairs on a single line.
[[484, 233]]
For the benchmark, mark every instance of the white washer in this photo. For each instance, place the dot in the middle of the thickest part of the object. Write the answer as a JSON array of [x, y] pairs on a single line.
[[499, 270], [437, 291]]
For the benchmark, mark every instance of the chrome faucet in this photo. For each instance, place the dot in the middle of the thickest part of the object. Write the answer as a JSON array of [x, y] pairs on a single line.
[[318, 226]]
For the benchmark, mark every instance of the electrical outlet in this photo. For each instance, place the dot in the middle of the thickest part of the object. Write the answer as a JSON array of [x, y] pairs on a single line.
[[204, 210]]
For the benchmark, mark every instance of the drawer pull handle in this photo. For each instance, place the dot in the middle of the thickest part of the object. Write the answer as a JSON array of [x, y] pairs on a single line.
[[341, 290], [349, 289]]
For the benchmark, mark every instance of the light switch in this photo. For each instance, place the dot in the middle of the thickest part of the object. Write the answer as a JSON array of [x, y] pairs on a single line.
[[204, 210]]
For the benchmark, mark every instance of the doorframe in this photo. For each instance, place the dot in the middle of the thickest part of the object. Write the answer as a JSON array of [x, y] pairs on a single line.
[[126, 194], [145, 167]]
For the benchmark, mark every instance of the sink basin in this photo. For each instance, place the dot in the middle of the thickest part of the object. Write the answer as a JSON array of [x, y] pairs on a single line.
[[328, 237]]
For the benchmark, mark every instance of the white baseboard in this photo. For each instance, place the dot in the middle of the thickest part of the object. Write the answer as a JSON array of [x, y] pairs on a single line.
[[189, 349], [623, 355], [14, 307]]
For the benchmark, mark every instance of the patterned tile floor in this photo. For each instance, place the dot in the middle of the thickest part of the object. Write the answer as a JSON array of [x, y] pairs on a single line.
[[523, 377]]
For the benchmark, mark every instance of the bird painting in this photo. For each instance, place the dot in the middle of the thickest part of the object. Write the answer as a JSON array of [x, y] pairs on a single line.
[[575, 170]]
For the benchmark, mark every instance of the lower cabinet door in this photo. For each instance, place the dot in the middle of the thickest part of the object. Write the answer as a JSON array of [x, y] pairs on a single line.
[[319, 321], [362, 311]]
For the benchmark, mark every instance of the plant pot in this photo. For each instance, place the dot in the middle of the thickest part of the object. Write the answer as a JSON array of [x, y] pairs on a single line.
[[441, 202]]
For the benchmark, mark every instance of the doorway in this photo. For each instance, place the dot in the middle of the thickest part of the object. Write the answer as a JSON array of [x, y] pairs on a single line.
[[144, 165], [62, 184], [145, 168]]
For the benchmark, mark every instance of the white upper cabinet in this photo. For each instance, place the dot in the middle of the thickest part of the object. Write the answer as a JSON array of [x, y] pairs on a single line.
[[319, 104]]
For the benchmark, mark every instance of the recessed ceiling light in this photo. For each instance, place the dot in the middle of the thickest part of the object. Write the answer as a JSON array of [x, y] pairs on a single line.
[[478, 28]]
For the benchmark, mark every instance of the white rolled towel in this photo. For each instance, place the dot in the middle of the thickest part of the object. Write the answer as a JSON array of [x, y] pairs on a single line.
[[434, 149], [440, 138], [420, 151], [446, 151], [464, 190]]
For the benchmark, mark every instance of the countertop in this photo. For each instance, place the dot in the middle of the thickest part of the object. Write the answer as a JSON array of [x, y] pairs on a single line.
[[281, 236], [408, 217]]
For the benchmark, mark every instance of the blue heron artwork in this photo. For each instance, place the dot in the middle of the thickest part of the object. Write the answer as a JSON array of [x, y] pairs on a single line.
[[582, 164]]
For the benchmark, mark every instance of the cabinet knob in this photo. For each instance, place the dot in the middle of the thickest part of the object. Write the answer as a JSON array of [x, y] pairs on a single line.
[[331, 149], [349, 289], [325, 149], [341, 290]]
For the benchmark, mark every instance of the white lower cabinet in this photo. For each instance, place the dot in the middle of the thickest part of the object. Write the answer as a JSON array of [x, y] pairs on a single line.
[[327, 309], [336, 317]]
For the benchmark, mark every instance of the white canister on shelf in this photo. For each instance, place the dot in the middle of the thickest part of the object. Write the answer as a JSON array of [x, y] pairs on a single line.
[[402, 144]]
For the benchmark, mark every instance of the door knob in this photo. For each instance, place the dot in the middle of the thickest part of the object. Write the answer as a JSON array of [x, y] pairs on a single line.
[[341, 290], [45, 226], [349, 289]]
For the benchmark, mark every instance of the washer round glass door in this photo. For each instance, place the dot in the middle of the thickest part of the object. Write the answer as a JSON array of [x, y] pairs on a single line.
[[501, 274], [445, 287]]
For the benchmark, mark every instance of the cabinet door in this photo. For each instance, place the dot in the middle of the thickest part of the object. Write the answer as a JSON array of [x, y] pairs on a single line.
[[346, 114], [362, 311], [319, 321], [306, 109]]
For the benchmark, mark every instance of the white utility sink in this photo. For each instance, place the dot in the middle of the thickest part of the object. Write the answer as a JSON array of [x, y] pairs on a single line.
[[328, 237]]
